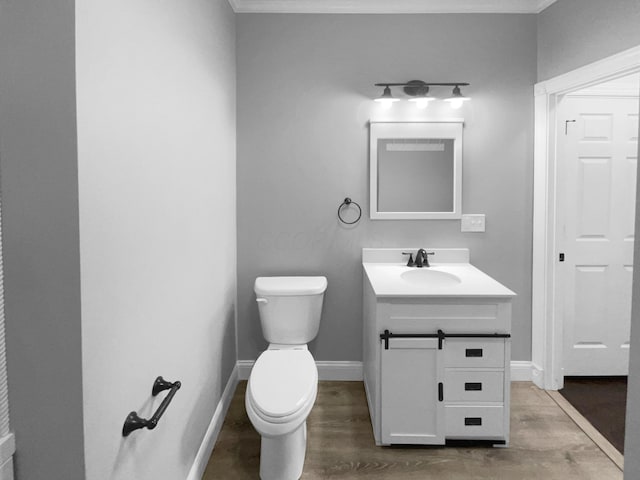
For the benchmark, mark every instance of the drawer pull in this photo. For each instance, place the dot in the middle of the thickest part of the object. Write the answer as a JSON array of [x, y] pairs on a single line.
[[473, 386], [440, 392], [473, 421], [473, 352]]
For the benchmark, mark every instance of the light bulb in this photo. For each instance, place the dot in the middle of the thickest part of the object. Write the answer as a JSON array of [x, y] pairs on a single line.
[[456, 99], [421, 102], [386, 99], [386, 102], [456, 103]]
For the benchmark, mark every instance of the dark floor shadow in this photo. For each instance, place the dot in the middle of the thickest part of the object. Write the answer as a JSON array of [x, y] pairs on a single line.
[[602, 401]]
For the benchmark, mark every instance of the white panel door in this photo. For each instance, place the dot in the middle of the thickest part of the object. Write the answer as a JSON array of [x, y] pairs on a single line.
[[596, 185], [412, 402]]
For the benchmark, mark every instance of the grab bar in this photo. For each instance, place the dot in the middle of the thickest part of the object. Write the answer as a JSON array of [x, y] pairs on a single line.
[[134, 422]]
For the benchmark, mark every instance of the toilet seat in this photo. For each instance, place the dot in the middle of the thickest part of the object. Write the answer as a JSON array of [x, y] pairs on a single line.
[[281, 422], [282, 382], [281, 391]]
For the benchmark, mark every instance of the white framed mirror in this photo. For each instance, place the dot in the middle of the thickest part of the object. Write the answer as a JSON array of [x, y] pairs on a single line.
[[415, 170]]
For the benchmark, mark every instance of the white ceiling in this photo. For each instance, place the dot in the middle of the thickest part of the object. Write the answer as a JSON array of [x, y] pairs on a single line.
[[390, 6]]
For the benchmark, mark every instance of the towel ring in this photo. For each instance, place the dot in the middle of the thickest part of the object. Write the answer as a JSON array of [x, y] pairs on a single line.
[[347, 202]]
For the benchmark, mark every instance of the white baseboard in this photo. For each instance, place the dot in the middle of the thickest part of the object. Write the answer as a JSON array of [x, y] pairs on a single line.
[[521, 371], [537, 376], [7, 449], [340, 371], [6, 470], [210, 437], [244, 368], [327, 370]]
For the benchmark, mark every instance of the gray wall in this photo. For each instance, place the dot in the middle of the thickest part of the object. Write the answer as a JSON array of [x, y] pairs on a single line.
[[146, 178], [305, 90], [38, 165], [156, 89], [632, 428], [573, 33]]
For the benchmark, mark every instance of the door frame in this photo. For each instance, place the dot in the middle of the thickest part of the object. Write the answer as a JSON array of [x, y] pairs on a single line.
[[546, 314]]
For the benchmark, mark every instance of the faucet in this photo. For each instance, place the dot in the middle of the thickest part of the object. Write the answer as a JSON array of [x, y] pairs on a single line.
[[422, 258]]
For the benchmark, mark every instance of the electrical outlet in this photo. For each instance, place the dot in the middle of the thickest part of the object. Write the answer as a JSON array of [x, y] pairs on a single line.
[[473, 223]]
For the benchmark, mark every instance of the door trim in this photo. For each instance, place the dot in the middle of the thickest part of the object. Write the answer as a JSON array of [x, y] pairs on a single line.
[[546, 315]]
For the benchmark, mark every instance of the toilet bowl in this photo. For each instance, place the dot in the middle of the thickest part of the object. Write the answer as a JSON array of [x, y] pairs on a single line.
[[283, 383], [280, 394]]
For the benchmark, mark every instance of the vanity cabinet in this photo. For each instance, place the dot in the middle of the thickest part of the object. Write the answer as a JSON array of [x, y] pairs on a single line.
[[436, 368]]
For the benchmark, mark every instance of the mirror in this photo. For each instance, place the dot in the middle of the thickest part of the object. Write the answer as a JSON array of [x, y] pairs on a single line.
[[416, 170]]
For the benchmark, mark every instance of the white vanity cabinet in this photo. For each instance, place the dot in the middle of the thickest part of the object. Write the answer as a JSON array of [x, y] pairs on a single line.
[[436, 366]]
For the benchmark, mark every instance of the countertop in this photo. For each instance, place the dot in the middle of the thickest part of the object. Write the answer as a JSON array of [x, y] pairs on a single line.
[[386, 281]]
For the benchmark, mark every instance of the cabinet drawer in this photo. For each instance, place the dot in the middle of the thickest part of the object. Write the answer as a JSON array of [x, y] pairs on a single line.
[[473, 386], [474, 353], [474, 422]]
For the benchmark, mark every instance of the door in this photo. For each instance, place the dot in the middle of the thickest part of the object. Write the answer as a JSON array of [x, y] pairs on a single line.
[[596, 200], [411, 392]]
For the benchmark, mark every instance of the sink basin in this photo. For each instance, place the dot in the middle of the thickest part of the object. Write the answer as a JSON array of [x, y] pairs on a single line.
[[428, 277]]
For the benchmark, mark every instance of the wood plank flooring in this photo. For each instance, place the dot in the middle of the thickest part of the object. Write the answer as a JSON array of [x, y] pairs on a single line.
[[545, 444]]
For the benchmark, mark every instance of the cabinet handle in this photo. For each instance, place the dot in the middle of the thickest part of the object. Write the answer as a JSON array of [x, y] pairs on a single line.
[[440, 392], [473, 352], [473, 387], [473, 421]]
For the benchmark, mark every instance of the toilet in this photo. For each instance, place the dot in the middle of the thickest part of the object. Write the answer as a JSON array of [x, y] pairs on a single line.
[[283, 383]]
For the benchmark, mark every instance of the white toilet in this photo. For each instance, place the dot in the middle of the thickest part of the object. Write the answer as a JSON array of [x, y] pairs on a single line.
[[283, 384]]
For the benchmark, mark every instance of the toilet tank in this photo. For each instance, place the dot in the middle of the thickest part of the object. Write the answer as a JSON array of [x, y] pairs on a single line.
[[290, 308]]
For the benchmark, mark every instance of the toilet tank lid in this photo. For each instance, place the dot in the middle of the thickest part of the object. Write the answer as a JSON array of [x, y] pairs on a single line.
[[274, 286]]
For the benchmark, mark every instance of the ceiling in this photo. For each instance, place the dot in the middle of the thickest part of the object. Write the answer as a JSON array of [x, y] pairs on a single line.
[[390, 6]]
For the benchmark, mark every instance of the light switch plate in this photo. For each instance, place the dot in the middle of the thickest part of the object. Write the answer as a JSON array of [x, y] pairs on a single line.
[[473, 223]]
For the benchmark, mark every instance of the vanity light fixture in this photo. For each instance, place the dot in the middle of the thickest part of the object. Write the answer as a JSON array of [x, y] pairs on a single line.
[[457, 98], [386, 99], [418, 91]]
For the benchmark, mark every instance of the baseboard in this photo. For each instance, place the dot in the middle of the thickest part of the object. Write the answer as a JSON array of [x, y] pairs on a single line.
[[244, 368], [521, 371], [327, 370], [210, 437], [7, 449], [340, 371]]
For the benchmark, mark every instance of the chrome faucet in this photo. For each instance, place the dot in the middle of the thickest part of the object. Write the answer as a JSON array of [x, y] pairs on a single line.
[[422, 258]]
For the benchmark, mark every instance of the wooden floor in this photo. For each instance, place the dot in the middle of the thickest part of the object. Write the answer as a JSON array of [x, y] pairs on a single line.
[[545, 444]]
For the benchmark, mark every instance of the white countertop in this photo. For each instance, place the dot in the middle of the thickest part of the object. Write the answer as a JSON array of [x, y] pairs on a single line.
[[384, 273]]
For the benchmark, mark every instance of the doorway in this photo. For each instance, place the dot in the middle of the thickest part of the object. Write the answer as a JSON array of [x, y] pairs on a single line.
[[548, 307], [586, 135]]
